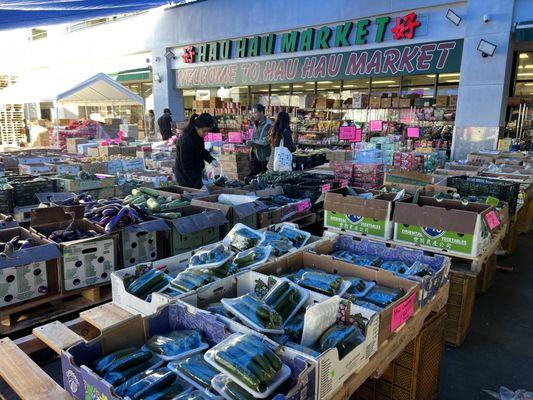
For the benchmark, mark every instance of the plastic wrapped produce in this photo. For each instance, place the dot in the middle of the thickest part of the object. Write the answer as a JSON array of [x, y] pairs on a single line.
[[254, 311], [344, 339], [244, 238], [195, 369], [382, 296], [321, 282], [192, 279], [176, 343], [211, 256]]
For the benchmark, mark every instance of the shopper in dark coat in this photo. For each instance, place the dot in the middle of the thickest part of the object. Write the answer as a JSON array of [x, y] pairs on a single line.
[[165, 124], [281, 130], [191, 153]]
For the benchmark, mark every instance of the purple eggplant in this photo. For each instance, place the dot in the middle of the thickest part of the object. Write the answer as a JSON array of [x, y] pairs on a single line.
[[105, 220], [110, 212], [113, 223], [25, 244]]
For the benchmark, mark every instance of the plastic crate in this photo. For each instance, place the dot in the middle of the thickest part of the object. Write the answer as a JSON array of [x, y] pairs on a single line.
[[25, 189], [478, 186], [6, 199]]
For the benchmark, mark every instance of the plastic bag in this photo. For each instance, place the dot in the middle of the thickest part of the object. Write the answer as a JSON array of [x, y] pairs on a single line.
[[254, 312], [318, 318], [195, 370], [507, 394], [321, 282], [344, 339], [382, 296], [175, 343], [192, 279], [282, 158]]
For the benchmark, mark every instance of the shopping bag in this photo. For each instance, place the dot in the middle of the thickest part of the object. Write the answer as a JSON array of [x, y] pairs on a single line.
[[282, 158]]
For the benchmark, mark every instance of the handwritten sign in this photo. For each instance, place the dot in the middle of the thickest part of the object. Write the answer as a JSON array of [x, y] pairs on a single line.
[[235, 137], [376, 126], [402, 312], [326, 187], [358, 136], [303, 205], [217, 137], [492, 220], [413, 132], [347, 133], [345, 182]]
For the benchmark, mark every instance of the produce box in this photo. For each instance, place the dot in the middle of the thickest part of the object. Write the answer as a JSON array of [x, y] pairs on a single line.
[[114, 167], [75, 184], [93, 152], [83, 148], [391, 318], [83, 383], [72, 144], [197, 227], [136, 164], [331, 370], [443, 225], [95, 167], [107, 151], [65, 168], [429, 285], [33, 159], [103, 193], [369, 217], [84, 262], [34, 169], [143, 242], [25, 189], [244, 213], [28, 273]]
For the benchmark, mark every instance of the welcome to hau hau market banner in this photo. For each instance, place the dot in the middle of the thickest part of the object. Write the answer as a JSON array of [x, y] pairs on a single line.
[[412, 59]]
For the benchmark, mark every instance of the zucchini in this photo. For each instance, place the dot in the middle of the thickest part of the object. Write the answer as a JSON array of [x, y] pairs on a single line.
[[241, 372], [236, 392], [246, 358], [167, 215], [197, 369], [277, 293], [140, 285], [267, 352], [170, 393], [116, 378], [149, 191], [101, 365], [153, 205], [158, 380], [123, 363]]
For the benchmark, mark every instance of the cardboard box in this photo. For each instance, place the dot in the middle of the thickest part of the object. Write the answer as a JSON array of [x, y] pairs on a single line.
[[93, 151], [130, 130], [447, 225], [136, 164], [34, 169], [386, 102], [375, 101], [66, 168], [359, 100], [323, 103], [197, 227], [429, 285], [95, 167], [114, 167], [28, 273], [215, 102], [65, 184], [481, 159], [129, 151], [79, 379], [107, 151], [370, 217], [245, 213], [144, 242], [32, 159], [406, 103], [453, 100], [72, 144], [84, 262]]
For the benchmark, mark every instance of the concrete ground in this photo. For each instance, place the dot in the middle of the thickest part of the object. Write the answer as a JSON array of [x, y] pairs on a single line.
[[498, 350]]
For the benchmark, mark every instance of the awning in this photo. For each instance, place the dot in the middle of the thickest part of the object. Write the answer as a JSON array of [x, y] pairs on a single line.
[[133, 75], [31, 13], [524, 31], [100, 89]]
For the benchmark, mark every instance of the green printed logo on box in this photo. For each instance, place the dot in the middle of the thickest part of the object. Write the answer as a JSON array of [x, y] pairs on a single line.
[[355, 223], [452, 241]]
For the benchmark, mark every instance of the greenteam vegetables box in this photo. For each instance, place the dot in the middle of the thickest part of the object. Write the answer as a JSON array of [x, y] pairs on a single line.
[[368, 217], [443, 225]]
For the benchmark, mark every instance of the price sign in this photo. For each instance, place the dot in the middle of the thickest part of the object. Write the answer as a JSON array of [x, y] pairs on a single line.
[[492, 220], [216, 137], [347, 133], [358, 136], [235, 137], [413, 132], [326, 187], [302, 206], [402, 312], [376, 126], [345, 182]]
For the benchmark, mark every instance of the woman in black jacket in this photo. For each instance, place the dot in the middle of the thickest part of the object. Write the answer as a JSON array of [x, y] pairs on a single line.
[[191, 153], [280, 130]]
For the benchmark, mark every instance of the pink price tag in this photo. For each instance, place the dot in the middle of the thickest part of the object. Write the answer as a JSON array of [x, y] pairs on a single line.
[[402, 312], [216, 137], [376, 126], [249, 133], [326, 187], [358, 136], [302, 206], [345, 182], [235, 137], [347, 133], [492, 220], [413, 132]]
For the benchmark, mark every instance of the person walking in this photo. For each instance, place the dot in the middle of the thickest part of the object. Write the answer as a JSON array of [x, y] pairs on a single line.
[[165, 124], [151, 124], [259, 141], [280, 131], [191, 154]]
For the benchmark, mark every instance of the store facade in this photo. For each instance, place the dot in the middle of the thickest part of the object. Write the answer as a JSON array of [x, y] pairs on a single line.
[[415, 62]]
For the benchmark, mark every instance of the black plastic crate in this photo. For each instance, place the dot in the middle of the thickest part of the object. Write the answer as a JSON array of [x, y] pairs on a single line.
[[25, 188], [479, 186], [6, 199]]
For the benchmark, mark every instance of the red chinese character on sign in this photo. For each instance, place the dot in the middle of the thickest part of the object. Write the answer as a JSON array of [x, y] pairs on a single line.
[[188, 54], [405, 27]]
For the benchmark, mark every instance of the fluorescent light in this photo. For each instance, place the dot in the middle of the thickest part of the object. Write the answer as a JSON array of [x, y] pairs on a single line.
[[451, 81], [284, 87], [297, 86], [529, 66], [528, 84], [336, 86], [449, 75], [523, 55], [430, 76], [392, 85], [383, 81], [324, 82], [525, 74]]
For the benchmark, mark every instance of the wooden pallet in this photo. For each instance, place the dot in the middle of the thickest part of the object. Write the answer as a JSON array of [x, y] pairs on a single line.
[[41, 310], [485, 278], [475, 263]]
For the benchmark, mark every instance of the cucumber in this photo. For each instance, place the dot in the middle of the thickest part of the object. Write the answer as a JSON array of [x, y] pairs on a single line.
[[278, 292], [246, 358], [140, 285], [257, 306], [116, 378], [171, 205], [123, 363], [239, 371], [267, 352], [170, 393], [160, 379], [100, 365], [149, 191], [139, 200], [153, 205], [236, 392], [197, 369]]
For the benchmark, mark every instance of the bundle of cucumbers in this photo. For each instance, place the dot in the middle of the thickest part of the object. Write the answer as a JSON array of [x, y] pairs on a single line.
[[152, 281], [248, 257], [280, 244], [321, 282], [175, 343], [232, 390], [153, 202], [256, 310], [196, 369], [210, 255], [121, 365], [296, 237], [192, 279], [382, 296], [244, 239], [283, 298], [358, 288], [225, 270], [249, 360], [344, 339], [154, 385]]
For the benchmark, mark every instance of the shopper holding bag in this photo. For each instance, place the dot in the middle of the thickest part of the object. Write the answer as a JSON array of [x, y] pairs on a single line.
[[282, 144]]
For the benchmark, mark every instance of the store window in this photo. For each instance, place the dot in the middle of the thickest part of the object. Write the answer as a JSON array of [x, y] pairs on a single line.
[[524, 75], [421, 85]]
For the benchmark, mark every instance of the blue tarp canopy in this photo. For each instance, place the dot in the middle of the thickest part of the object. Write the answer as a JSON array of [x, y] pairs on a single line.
[[30, 13]]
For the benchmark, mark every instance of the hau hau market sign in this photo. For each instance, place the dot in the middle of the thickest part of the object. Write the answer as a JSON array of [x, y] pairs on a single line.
[[412, 59], [343, 35]]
